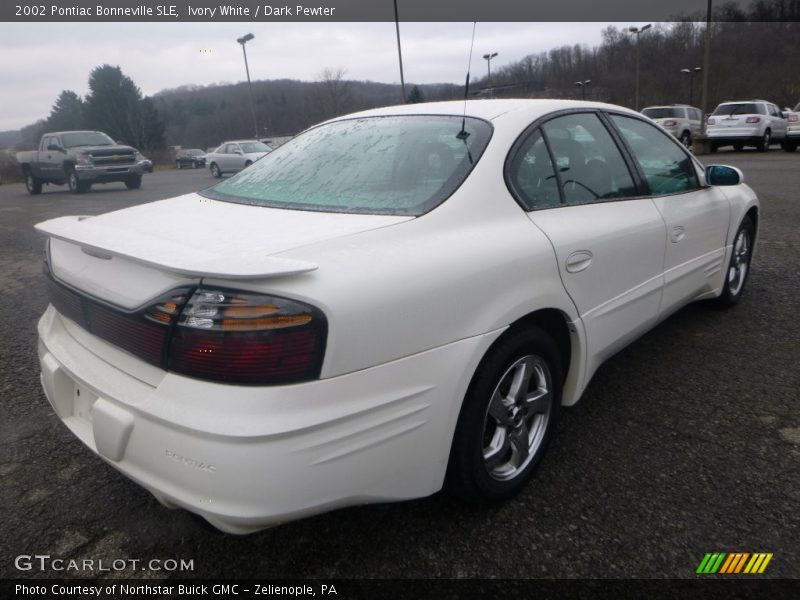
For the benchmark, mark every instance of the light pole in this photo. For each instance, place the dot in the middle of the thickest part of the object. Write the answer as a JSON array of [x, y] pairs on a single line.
[[488, 58], [691, 73], [243, 40], [582, 85], [638, 31], [399, 53]]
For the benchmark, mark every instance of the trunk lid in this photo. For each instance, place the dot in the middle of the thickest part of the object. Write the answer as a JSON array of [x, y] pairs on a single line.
[[127, 257]]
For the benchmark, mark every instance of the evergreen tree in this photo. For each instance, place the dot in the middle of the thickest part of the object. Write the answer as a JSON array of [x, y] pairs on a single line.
[[67, 112], [416, 96]]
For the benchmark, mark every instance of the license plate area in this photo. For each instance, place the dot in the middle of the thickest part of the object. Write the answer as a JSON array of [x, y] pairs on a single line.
[[82, 402]]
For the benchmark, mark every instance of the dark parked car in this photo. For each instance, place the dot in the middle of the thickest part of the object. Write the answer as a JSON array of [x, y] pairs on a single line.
[[190, 158]]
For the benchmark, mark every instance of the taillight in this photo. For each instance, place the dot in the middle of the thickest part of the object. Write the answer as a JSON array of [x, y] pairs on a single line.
[[243, 337], [670, 123], [710, 120], [753, 120], [792, 118], [143, 333]]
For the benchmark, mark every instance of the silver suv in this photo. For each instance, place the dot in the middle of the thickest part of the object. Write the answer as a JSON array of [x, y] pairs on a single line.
[[748, 123], [793, 129], [681, 120]]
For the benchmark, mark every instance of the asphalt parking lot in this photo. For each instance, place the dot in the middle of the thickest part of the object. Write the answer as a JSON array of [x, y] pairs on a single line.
[[686, 442]]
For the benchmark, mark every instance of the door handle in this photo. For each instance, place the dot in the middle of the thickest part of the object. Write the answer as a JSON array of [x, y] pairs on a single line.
[[579, 261], [678, 233]]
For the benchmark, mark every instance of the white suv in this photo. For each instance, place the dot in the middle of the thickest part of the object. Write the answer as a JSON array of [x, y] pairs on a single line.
[[748, 123], [793, 129], [681, 120]]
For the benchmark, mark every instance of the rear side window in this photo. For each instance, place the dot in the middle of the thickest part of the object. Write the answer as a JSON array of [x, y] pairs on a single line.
[[532, 176], [590, 166], [662, 112], [666, 167]]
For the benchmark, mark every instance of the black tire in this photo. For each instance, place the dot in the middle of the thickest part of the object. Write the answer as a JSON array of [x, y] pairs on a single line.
[[738, 147], [33, 184], [735, 277], [713, 147], [763, 145], [215, 172], [75, 185], [481, 467], [247, 164], [790, 146], [686, 139], [134, 182]]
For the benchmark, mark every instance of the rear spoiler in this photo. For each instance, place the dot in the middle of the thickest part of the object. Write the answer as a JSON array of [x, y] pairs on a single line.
[[103, 241]]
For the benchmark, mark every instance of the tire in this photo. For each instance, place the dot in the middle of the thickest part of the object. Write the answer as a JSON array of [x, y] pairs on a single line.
[[738, 147], [763, 145], [790, 146], [247, 164], [739, 265], [713, 147], [686, 139], [194, 165], [75, 185], [33, 184], [215, 172], [134, 182], [489, 460]]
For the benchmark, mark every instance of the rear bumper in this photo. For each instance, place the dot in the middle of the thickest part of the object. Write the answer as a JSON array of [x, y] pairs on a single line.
[[245, 458]]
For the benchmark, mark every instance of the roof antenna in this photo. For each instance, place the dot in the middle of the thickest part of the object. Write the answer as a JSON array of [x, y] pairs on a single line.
[[463, 134]]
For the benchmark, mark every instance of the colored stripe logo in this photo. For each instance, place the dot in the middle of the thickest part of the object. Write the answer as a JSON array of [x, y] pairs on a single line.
[[734, 563]]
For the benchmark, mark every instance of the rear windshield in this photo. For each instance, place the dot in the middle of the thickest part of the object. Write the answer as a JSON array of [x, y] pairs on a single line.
[[398, 165], [741, 108], [86, 138], [665, 112]]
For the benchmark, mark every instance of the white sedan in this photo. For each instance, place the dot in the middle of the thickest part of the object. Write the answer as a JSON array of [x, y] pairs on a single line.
[[392, 302], [232, 157]]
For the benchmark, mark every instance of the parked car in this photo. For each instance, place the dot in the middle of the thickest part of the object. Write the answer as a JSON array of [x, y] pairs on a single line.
[[681, 120], [232, 157], [749, 123], [80, 159], [793, 129], [392, 301], [193, 157]]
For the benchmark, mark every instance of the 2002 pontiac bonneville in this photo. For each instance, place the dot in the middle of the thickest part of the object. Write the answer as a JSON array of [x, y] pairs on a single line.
[[394, 301]]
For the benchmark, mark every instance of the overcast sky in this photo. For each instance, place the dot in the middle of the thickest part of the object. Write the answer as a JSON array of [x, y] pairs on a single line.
[[38, 61]]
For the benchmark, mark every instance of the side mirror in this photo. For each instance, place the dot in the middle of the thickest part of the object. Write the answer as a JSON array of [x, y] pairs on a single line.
[[723, 175], [55, 148]]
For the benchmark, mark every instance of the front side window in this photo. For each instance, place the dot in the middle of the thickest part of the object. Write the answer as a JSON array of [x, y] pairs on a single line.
[[248, 147], [589, 164], [667, 168], [400, 165]]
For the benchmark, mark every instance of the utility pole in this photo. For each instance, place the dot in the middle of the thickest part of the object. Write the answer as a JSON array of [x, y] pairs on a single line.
[[243, 40], [399, 53], [638, 32]]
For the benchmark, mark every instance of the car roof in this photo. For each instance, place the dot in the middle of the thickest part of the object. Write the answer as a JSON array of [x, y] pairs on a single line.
[[489, 110]]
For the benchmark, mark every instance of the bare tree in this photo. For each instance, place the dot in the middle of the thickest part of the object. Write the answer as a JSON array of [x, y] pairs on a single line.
[[334, 92]]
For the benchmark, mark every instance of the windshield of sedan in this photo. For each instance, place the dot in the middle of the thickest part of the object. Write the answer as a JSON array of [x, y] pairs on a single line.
[[398, 165], [86, 138], [662, 113]]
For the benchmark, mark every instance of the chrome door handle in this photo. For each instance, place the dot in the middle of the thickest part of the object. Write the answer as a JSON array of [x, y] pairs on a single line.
[[579, 261], [678, 233]]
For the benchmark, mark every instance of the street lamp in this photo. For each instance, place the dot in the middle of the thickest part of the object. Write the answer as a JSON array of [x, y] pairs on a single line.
[[691, 73], [638, 31], [488, 58], [582, 85], [243, 40]]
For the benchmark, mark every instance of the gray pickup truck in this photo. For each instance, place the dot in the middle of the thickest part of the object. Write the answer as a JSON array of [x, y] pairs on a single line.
[[80, 159]]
